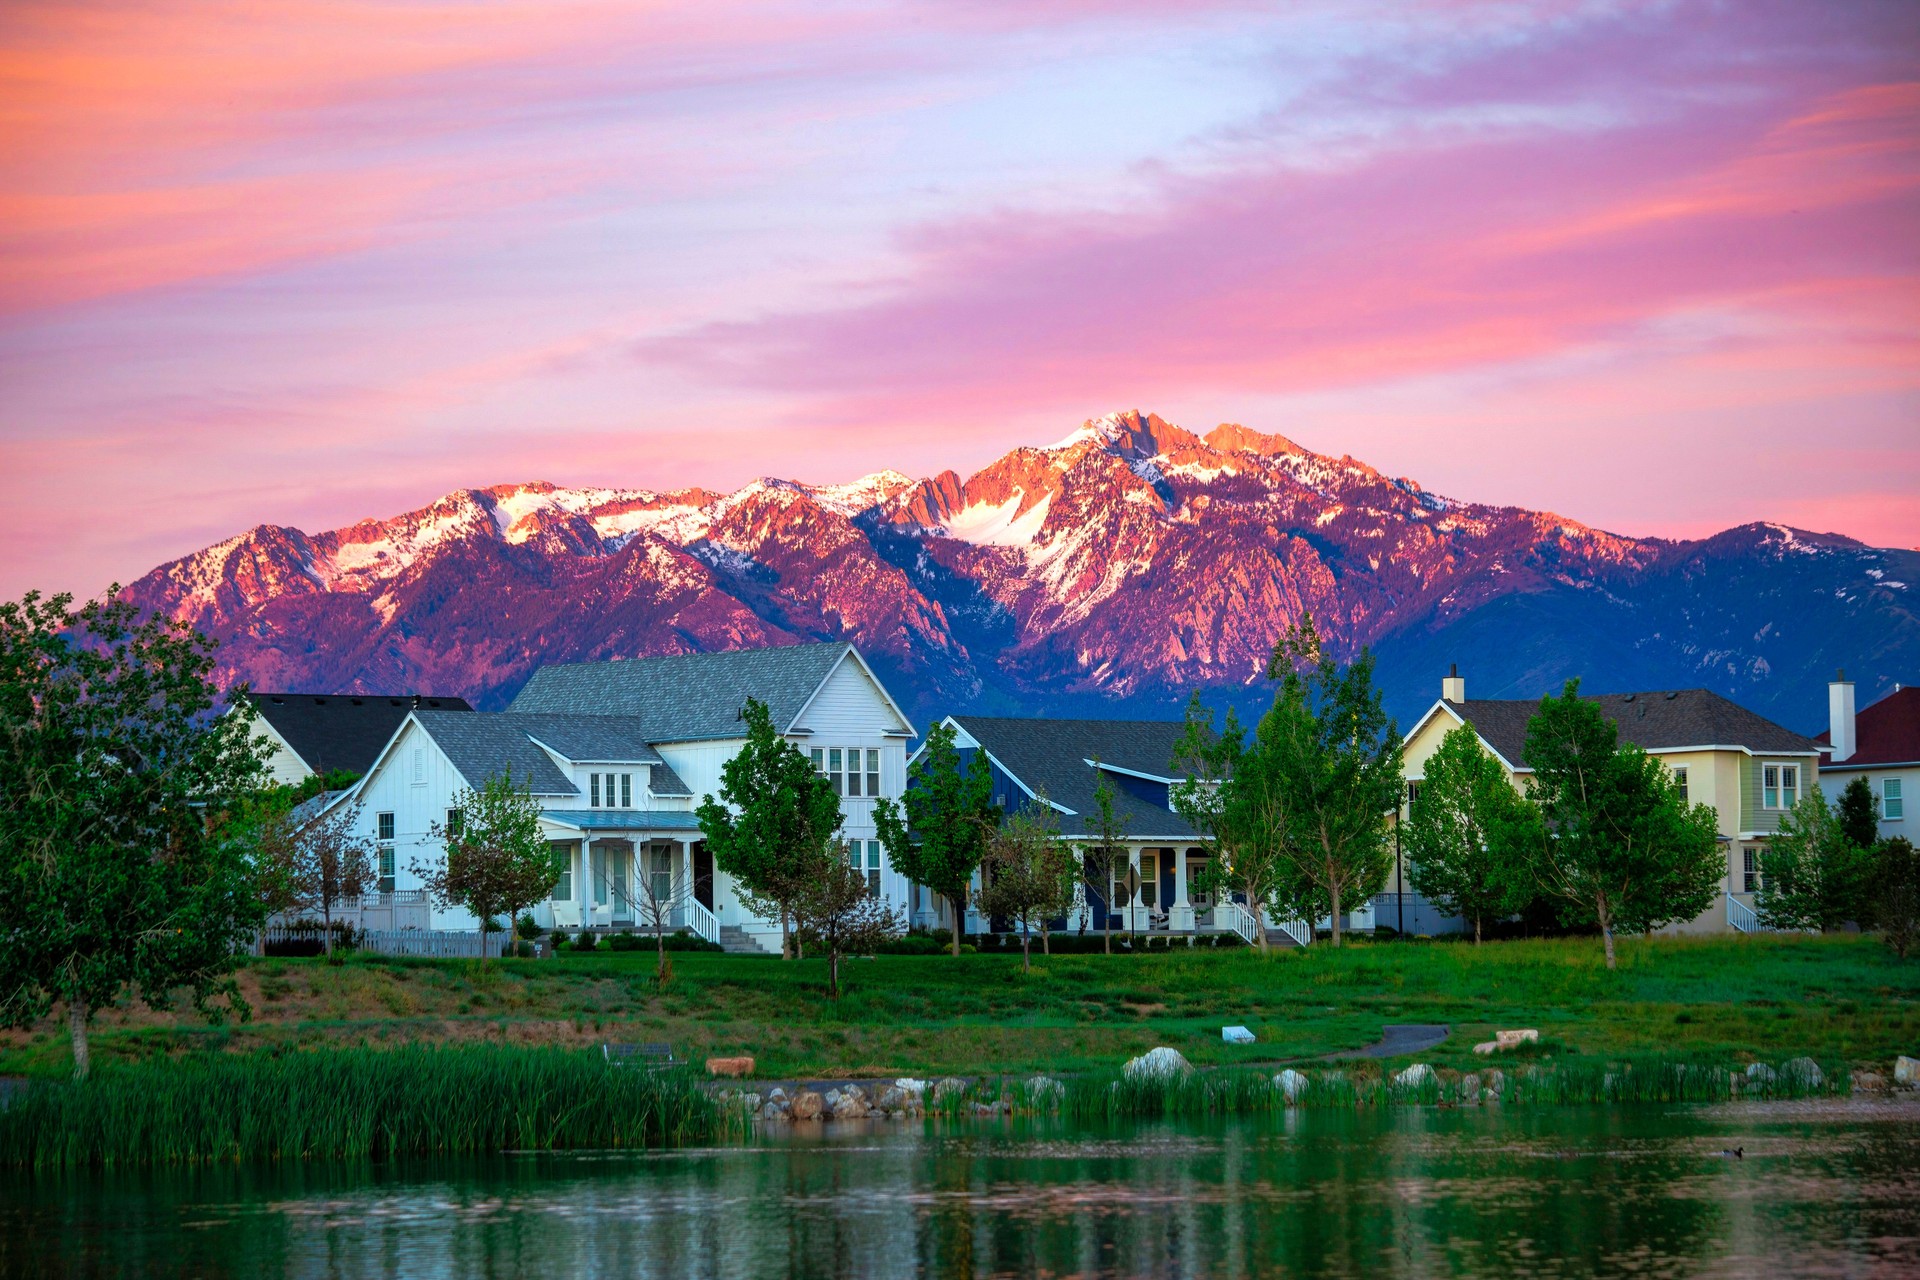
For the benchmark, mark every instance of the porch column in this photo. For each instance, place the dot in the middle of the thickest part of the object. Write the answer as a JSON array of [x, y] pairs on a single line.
[[1136, 909], [1180, 913]]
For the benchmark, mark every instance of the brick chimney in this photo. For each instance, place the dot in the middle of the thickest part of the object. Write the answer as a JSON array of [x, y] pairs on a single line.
[[1454, 687], [1840, 717]]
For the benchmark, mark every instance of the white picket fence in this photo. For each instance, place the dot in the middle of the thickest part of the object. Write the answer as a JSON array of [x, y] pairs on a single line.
[[459, 944]]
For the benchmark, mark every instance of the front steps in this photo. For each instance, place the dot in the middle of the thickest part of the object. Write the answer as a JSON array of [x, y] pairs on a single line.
[[737, 941]]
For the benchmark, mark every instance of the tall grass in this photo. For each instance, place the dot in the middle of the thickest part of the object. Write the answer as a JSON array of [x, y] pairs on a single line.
[[1572, 1081], [354, 1104]]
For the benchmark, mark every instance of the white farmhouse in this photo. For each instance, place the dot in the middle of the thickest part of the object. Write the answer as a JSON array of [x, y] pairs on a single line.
[[619, 755]]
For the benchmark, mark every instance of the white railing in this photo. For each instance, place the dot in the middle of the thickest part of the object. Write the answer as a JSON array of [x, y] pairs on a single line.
[[444, 943], [1741, 916], [703, 921], [1237, 918], [1299, 930]]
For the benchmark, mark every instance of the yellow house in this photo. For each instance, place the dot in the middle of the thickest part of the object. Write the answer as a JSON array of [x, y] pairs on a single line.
[[1748, 768]]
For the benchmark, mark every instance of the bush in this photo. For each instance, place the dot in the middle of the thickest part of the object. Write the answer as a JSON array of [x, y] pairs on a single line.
[[625, 940], [294, 947], [912, 944], [524, 949], [529, 927], [585, 942]]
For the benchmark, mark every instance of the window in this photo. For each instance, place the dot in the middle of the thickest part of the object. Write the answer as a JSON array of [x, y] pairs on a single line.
[[1779, 786], [1893, 805], [563, 866], [1750, 858], [593, 791], [1680, 781], [419, 766], [1149, 878], [626, 791], [383, 831], [454, 819], [661, 882], [841, 765], [1413, 791], [873, 772]]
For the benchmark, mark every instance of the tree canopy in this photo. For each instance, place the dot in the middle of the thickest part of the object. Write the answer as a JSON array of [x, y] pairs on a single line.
[[497, 859], [937, 835], [1029, 874], [1470, 834], [1617, 846], [1812, 874], [774, 815], [122, 867]]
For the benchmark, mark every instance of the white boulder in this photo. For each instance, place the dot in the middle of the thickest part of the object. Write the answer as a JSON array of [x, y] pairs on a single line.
[[1160, 1063], [1236, 1035], [1906, 1071], [1292, 1084]]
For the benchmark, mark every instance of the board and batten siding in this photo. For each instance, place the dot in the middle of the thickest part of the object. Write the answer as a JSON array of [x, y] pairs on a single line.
[[416, 806]]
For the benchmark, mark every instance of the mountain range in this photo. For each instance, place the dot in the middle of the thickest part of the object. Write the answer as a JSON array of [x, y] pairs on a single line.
[[1110, 574]]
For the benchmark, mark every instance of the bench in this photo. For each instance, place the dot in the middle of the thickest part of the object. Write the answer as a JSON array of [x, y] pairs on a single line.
[[649, 1057]]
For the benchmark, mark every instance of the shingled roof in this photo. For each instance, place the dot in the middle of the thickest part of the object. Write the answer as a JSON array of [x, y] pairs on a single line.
[[1660, 721], [485, 746], [341, 731], [1888, 732], [688, 698], [1051, 756]]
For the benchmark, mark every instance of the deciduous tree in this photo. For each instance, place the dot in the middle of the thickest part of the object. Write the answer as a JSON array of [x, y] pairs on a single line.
[[1102, 855], [773, 816], [122, 867], [1028, 876], [838, 914], [497, 860], [1812, 874], [311, 858], [1469, 835], [1234, 800], [1336, 764], [1896, 894], [937, 835], [1618, 845]]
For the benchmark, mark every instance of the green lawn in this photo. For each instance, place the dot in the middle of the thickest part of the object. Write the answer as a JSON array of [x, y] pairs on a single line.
[[1842, 999]]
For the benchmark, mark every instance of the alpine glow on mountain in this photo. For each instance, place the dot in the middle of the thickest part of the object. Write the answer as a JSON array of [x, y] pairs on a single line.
[[1132, 559]]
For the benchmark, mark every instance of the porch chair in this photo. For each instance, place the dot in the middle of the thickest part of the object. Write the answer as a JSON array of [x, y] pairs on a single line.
[[566, 915]]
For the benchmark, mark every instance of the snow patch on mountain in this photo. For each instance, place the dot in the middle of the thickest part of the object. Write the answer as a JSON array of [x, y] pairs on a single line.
[[999, 526]]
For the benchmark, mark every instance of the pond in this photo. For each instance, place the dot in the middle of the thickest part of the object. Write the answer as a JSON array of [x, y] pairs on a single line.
[[1827, 1187]]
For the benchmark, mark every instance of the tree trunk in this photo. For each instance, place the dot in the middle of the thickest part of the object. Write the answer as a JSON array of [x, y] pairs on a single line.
[[1336, 913], [483, 940], [1476, 931], [1026, 952], [77, 1030], [958, 901], [326, 922], [1606, 930], [786, 936], [1046, 942], [660, 943], [833, 972]]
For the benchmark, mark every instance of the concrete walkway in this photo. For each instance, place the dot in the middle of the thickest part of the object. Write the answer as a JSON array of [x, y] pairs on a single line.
[[1395, 1041]]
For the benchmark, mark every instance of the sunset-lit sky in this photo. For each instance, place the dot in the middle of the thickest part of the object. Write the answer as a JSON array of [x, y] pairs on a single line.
[[1654, 266]]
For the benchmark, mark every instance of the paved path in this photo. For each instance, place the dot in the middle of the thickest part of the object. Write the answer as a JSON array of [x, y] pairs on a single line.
[[1395, 1041]]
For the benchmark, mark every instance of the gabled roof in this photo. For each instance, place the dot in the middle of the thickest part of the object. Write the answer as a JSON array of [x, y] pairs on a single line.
[[691, 697], [1888, 732], [602, 740], [484, 746], [1052, 756], [340, 731], [1659, 721]]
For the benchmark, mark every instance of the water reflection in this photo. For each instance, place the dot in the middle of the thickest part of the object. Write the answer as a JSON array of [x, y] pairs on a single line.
[[1821, 1188]]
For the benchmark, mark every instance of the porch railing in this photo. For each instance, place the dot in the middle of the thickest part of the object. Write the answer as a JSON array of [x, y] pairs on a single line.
[[1299, 930], [1237, 918], [1741, 916], [702, 921]]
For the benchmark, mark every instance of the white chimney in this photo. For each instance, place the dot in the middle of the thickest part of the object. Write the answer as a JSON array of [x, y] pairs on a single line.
[[1454, 687], [1840, 717]]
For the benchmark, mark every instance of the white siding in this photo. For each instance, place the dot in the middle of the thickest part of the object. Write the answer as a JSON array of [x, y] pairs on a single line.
[[416, 807], [285, 765]]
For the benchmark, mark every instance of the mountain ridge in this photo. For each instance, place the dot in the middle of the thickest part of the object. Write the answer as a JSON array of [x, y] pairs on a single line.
[[1111, 572]]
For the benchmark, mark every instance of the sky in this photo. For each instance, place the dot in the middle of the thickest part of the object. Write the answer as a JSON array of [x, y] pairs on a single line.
[[1652, 266]]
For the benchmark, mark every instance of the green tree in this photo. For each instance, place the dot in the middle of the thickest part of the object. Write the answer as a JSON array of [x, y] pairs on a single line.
[[1232, 797], [497, 860], [1029, 874], [123, 866], [937, 835], [1617, 846], [1469, 836], [1895, 888], [1336, 763], [838, 914], [774, 815], [1812, 874], [1859, 814]]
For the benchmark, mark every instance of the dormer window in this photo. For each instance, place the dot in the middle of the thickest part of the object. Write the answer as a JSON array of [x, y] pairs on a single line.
[[610, 791]]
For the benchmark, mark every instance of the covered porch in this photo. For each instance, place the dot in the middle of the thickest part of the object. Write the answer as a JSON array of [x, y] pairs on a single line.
[[630, 869]]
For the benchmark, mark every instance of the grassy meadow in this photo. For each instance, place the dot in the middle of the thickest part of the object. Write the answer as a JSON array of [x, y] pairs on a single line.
[[1841, 999]]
